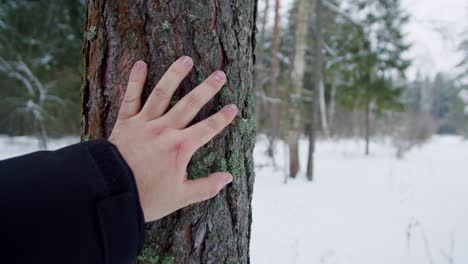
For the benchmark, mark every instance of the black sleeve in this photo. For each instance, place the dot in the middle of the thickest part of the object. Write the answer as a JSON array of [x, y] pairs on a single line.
[[75, 205]]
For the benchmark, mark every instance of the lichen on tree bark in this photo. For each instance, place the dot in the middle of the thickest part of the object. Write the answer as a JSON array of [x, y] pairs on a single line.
[[217, 34]]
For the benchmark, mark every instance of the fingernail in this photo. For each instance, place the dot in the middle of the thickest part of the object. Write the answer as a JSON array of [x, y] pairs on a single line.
[[228, 179], [233, 108], [186, 61], [220, 76], [139, 66]]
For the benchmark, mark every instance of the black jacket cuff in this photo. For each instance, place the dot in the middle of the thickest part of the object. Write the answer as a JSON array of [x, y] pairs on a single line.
[[120, 214]]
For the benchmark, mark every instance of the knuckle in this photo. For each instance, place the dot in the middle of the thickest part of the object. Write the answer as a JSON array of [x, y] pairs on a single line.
[[193, 100], [134, 81], [177, 71], [213, 84], [160, 93], [160, 130], [130, 99]]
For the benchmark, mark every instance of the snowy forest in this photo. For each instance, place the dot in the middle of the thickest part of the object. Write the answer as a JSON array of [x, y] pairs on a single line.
[[361, 117]]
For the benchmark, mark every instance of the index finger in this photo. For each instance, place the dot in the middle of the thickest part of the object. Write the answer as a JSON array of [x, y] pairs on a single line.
[[202, 132]]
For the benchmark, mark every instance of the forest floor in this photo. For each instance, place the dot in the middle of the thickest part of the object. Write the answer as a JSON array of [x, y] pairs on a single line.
[[359, 210], [364, 210]]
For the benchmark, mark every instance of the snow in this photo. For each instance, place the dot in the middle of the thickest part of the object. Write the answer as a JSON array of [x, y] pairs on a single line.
[[15, 146], [376, 209], [359, 210]]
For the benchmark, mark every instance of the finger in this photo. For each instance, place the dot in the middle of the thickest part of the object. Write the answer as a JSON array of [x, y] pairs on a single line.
[[132, 100], [201, 133], [206, 188], [187, 108], [160, 98]]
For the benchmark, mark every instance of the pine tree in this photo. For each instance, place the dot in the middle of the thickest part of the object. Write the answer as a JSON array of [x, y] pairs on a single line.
[[379, 61], [217, 35], [40, 50]]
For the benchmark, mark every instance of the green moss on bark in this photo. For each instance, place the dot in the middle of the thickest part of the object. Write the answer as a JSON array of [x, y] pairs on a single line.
[[247, 128], [202, 162], [220, 164], [167, 260], [86, 137], [236, 164], [226, 94], [149, 255], [91, 34]]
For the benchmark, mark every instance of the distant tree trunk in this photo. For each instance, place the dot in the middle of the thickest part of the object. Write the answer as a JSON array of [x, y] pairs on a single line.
[[332, 111], [297, 79], [260, 66], [356, 122], [319, 92], [367, 118], [42, 136], [275, 70], [318, 69], [427, 97], [311, 150], [217, 35]]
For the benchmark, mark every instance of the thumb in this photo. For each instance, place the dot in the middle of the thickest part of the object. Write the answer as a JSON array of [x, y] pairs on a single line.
[[206, 188]]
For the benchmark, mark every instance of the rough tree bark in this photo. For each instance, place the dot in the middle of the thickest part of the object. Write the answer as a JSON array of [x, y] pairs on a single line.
[[217, 34], [297, 79]]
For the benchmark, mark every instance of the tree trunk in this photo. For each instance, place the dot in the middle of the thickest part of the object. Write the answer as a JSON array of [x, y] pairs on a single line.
[[275, 70], [318, 105], [217, 35], [356, 122], [367, 118], [331, 116], [297, 79], [318, 69], [260, 66], [42, 135], [311, 151]]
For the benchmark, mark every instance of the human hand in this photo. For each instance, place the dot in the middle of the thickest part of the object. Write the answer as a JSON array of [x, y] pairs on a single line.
[[157, 145]]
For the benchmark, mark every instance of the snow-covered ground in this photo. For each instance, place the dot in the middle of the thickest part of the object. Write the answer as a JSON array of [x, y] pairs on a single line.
[[365, 210], [359, 210], [15, 146]]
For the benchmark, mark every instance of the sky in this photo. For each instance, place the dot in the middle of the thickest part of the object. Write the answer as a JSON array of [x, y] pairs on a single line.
[[434, 30]]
